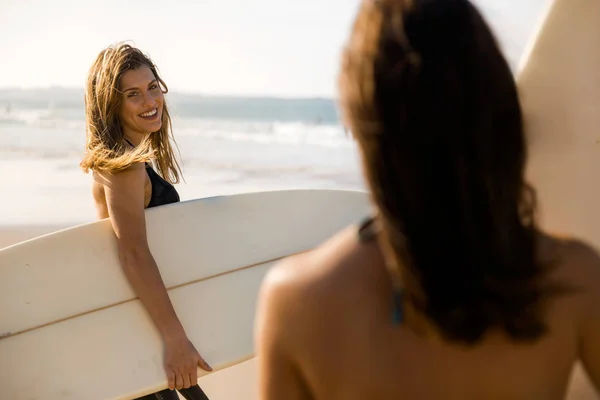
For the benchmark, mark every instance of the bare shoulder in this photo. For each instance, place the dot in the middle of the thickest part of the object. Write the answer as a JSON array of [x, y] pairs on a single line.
[[313, 270], [130, 175], [306, 285], [295, 313], [120, 187], [578, 264], [586, 264], [579, 258]]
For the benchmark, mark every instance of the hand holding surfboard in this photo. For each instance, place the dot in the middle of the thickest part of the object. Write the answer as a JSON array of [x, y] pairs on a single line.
[[181, 363]]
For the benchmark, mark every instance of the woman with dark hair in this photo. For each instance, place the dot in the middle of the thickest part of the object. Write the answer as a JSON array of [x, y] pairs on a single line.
[[450, 290]]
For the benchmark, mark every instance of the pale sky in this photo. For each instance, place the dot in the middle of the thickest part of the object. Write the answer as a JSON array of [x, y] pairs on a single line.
[[235, 47]]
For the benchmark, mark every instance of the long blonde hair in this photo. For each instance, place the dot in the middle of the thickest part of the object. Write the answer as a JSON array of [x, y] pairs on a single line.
[[106, 149]]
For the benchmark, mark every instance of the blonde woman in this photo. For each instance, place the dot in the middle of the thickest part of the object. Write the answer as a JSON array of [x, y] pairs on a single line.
[[128, 126]]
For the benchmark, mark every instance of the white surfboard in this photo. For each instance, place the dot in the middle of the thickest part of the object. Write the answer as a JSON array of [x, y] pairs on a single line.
[[72, 328], [559, 85]]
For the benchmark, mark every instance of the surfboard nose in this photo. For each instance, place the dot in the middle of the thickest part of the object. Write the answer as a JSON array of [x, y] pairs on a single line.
[[559, 85]]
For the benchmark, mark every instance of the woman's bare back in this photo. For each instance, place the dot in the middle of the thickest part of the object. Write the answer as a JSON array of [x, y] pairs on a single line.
[[327, 321]]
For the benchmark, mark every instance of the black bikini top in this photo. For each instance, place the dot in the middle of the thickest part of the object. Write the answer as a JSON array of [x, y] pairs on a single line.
[[162, 191], [367, 231]]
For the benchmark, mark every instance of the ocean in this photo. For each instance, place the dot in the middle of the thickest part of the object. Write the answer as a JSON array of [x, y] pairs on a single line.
[[227, 144]]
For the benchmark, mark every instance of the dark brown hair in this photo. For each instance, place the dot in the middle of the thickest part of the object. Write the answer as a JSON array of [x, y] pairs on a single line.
[[434, 107]]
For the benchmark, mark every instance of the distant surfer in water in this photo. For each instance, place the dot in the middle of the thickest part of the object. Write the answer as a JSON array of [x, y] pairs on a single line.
[[128, 126], [449, 290]]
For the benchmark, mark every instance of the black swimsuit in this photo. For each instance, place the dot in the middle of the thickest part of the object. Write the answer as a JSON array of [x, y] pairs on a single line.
[[162, 191]]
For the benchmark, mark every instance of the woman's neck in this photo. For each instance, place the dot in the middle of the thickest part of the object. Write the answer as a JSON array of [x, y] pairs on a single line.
[[133, 138]]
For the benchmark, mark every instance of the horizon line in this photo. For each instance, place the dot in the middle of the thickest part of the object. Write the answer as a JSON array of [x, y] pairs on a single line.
[[182, 92]]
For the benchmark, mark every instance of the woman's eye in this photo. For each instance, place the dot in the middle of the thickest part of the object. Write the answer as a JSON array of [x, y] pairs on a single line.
[[131, 94], [153, 86]]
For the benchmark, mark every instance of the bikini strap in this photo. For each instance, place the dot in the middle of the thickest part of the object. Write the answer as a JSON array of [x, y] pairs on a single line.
[[367, 229], [146, 164]]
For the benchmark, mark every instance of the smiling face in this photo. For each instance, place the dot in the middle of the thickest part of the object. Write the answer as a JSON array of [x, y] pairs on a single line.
[[142, 103]]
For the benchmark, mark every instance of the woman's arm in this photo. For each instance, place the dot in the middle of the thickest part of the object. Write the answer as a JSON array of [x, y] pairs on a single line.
[[278, 376], [124, 193]]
